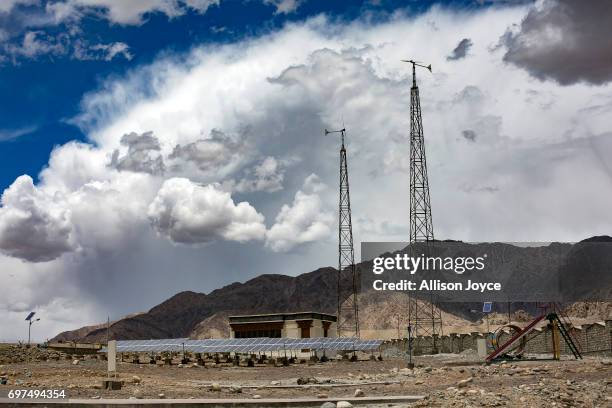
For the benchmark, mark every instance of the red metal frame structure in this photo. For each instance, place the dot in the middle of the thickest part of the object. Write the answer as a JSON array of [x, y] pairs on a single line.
[[553, 313]]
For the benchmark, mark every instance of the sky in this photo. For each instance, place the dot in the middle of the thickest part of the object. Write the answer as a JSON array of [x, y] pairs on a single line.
[[157, 146]]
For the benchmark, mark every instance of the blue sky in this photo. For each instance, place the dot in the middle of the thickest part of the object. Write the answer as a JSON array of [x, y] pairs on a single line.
[[41, 93], [178, 144]]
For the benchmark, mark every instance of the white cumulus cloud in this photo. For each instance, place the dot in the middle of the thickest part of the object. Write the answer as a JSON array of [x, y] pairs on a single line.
[[34, 226], [305, 220], [192, 214]]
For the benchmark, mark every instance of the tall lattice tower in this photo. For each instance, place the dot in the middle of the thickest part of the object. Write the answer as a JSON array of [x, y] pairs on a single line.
[[348, 280], [423, 319]]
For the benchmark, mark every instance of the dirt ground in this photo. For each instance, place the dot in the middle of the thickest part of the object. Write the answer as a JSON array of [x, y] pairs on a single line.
[[445, 380]]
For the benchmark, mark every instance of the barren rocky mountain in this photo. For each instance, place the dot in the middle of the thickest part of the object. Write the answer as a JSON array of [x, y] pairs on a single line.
[[202, 315], [182, 313]]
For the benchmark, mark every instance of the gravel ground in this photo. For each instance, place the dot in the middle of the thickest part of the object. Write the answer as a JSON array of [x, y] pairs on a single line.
[[446, 380]]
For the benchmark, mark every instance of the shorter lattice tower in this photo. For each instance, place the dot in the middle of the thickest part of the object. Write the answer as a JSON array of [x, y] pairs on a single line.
[[348, 280]]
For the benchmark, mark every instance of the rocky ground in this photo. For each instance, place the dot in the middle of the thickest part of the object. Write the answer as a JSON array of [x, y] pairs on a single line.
[[446, 380]]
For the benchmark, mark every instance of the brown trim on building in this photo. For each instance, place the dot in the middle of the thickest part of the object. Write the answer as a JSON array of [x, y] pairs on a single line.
[[270, 329], [326, 326], [302, 324], [276, 317]]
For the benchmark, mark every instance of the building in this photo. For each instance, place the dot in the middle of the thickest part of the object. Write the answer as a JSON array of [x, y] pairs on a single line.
[[292, 325]]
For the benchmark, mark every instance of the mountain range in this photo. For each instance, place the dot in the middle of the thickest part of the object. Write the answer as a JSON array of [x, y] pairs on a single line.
[[191, 314]]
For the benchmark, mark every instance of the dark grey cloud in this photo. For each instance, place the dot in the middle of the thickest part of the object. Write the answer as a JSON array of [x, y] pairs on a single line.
[[469, 189], [143, 155], [469, 135], [265, 176], [566, 41], [210, 154], [460, 50], [471, 95]]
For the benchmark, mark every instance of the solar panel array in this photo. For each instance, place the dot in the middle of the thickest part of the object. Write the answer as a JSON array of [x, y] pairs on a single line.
[[245, 345]]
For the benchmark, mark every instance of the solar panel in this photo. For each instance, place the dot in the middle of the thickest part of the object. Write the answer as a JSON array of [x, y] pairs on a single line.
[[245, 345], [365, 345]]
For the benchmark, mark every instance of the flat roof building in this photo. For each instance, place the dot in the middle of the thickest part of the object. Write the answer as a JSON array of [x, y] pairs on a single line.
[[292, 325]]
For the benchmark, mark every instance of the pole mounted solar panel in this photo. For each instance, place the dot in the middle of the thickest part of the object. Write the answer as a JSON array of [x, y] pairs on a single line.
[[30, 316]]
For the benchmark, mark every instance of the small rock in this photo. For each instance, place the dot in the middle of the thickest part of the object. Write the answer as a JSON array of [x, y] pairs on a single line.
[[323, 396], [275, 382], [328, 405], [234, 389], [464, 383], [418, 382], [136, 379], [137, 393], [161, 396], [405, 371], [344, 404], [95, 397], [359, 393], [75, 362], [256, 396], [215, 387]]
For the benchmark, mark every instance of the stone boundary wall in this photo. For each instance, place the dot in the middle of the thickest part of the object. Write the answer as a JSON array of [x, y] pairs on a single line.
[[594, 339]]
